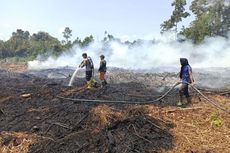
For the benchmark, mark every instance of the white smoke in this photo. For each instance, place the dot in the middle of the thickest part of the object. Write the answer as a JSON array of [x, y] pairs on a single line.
[[70, 58], [163, 51], [214, 2]]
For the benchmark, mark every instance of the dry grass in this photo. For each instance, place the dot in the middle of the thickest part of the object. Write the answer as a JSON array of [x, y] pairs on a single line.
[[15, 142], [41, 109], [102, 114], [196, 130], [203, 130], [16, 67]]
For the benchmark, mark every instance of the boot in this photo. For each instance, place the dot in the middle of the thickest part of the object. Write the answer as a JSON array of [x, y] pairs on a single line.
[[104, 83], [93, 83], [180, 102], [88, 85], [189, 100]]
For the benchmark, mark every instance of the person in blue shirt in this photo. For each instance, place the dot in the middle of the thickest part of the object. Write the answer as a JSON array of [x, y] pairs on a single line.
[[186, 78]]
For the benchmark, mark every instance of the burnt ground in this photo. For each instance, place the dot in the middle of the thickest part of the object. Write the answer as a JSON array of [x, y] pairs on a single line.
[[33, 117]]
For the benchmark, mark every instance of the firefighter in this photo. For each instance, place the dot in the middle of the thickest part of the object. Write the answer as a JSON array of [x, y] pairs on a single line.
[[186, 78], [102, 70], [89, 68]]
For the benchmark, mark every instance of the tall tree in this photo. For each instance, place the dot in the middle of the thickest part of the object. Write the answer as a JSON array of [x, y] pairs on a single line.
[[199, 29], [212, 18], [67, 34], [19, 41], [42, 43], [177, 15]]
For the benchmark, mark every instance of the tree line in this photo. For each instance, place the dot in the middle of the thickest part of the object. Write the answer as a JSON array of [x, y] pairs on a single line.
[[212, 18], [26, 46]]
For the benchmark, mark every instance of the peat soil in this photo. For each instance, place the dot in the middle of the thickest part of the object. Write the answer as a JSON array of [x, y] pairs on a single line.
[[39, 113]]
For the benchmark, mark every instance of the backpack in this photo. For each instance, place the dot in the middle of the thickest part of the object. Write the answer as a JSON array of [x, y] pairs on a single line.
[[91, 63]]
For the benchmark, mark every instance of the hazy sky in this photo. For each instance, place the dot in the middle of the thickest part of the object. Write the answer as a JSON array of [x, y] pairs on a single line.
[[122, 18]]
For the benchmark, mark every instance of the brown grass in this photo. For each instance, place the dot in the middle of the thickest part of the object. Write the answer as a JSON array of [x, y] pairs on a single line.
[[102, 114], [195, 131], [15, 142], [16, 67]]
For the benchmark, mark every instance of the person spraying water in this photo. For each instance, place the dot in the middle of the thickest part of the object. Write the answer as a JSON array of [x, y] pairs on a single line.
[[89, 69]]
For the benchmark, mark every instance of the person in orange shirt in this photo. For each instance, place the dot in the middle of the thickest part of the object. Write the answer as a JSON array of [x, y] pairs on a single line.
[[102, 70]]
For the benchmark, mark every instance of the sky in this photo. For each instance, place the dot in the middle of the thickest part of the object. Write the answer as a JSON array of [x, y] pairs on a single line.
[[128, 19]]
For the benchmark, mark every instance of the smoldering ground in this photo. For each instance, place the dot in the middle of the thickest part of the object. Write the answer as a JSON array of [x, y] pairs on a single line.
[[209, 60]]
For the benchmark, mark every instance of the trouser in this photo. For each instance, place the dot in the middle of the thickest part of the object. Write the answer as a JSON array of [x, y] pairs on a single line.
[[184, 91], [102, 78], [88, 75]]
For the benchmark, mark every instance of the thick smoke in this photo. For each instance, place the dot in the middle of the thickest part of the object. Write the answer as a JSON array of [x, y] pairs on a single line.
[[163, 51]]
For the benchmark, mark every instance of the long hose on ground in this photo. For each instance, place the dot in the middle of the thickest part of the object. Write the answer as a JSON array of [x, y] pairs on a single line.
[[122, 102], [216, 104]]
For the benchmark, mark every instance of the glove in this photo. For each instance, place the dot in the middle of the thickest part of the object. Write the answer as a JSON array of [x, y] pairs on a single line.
[[192, 83]]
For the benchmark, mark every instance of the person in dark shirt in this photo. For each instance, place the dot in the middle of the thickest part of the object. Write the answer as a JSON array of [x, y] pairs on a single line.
[[187, 78], [102, 70]]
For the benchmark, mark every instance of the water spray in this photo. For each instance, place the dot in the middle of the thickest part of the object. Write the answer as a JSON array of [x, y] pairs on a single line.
[[72, 78]]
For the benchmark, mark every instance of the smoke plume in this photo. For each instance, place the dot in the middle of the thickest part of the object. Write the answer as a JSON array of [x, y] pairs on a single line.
[[163, 51]]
